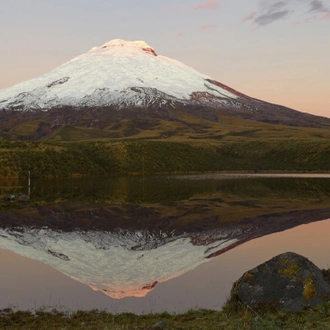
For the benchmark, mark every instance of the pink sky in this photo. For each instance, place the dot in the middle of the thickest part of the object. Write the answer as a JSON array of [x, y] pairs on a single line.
[[277, 51]]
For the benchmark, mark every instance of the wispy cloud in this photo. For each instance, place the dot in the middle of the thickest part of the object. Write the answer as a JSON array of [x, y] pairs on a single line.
[[249, 17], [270, 11], [208, 27], [325, 17], [271, 17], [278, 5], [318, 6], [319, 12], [208, 5]]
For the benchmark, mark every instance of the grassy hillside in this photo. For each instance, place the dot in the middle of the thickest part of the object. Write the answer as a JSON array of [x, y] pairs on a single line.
[[186, 144], [151, 157], [174, 125]]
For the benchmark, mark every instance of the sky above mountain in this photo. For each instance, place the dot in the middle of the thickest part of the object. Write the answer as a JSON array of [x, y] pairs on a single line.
[[277, 51]]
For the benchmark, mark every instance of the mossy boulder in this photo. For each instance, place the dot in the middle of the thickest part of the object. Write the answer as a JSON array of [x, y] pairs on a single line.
[[288, 282]]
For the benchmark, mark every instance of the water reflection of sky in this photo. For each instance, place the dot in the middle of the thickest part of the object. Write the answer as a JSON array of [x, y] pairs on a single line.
[[29, 284]]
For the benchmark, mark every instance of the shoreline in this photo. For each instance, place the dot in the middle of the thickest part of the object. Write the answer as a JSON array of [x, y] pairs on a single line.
[[229, 318]]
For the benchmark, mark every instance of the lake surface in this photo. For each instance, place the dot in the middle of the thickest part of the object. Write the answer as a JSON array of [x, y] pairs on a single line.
[[152, 244]]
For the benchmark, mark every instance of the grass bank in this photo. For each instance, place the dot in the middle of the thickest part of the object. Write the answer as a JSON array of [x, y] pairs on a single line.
[[61, 159], [229, 319]]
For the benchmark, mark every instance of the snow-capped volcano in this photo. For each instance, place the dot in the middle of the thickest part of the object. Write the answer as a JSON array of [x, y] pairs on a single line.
[[130, 76], [117, 73]]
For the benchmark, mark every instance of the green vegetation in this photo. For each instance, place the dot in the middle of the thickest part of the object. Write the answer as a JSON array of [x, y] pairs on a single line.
[[184, 145], [61, 159], [176, 125], [230, 319]]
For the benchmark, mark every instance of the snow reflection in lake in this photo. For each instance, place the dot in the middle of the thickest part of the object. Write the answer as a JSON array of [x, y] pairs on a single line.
[[28, 284], [179, 254]]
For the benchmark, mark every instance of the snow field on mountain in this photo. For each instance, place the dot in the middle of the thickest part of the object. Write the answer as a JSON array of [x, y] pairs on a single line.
[[116, 66]]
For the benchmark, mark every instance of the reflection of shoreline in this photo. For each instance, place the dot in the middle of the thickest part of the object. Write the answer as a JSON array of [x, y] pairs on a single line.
[[242, 175], [125, 262], [172, 188]]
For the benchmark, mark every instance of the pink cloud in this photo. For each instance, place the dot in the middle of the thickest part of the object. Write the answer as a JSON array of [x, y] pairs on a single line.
[[325, 17], [208, 27], [180, 35], [314, 19], [305, 21], [249, 17], [209, 5]]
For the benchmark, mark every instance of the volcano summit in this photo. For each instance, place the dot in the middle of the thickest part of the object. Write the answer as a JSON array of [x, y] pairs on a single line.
[[130, 78], [119, 73]]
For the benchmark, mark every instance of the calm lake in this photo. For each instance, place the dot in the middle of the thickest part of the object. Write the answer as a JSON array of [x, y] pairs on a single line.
[[152, 244]]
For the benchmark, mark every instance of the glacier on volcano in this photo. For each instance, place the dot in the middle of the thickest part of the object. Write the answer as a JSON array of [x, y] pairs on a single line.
[[119, 73]]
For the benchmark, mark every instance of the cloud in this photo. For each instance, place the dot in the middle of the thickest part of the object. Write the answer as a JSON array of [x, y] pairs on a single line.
[[325, 17], [249, 17], [209, 5], [207, 27], [318, 6], [320, 11], [270, 17], [180, 35], [270, 11], [278, 5]]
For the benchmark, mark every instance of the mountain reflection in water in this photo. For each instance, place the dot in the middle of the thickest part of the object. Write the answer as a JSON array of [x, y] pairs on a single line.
[[123, 236]]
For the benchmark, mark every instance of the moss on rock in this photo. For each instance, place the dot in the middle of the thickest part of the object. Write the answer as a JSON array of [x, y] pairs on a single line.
[[288, 281]]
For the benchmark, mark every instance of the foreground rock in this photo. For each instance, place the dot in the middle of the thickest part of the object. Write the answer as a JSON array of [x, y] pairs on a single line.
[[288, 282], [23, 199]]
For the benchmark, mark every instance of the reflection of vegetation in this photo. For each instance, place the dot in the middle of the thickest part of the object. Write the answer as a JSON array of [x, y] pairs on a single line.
[[164, 189], [178, 197]]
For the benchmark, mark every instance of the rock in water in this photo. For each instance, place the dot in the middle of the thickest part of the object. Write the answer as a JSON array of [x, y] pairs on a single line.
[[23, 199], [289, 282]]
